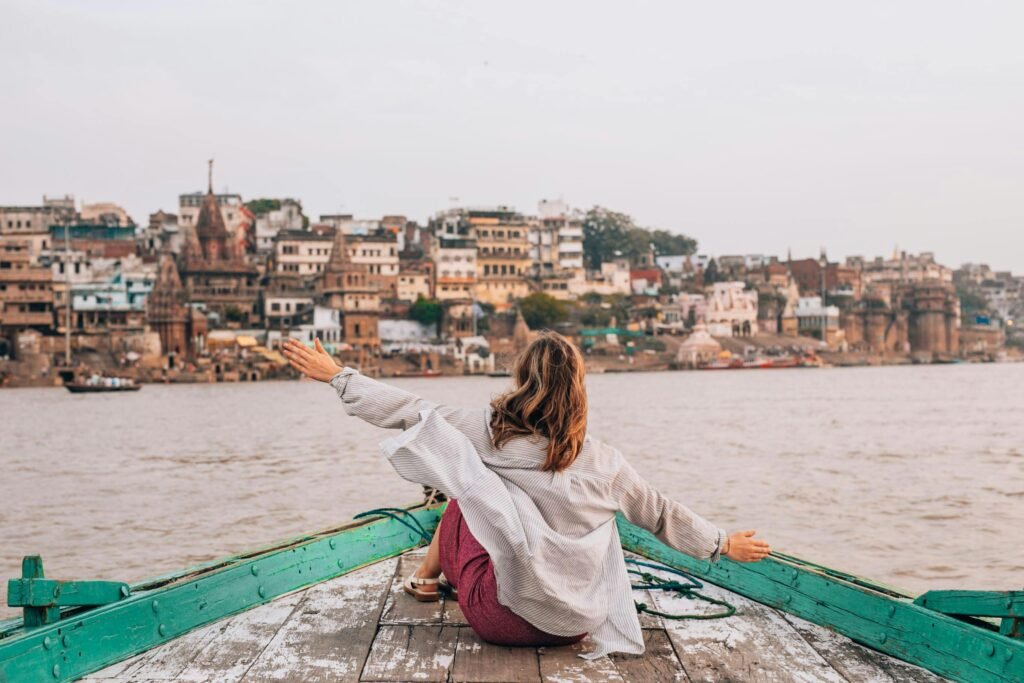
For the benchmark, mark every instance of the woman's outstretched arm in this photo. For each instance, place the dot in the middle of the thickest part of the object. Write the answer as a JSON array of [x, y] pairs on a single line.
[[678, 527], [375, 402]]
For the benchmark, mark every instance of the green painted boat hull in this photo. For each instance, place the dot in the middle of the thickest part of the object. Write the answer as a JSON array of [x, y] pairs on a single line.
[[86, 639]]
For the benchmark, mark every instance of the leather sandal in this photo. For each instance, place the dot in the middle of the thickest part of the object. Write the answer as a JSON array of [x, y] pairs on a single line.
[[449, 590], [410, 586]]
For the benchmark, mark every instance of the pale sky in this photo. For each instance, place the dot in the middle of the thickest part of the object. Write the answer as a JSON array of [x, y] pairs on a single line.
[[753, 126]]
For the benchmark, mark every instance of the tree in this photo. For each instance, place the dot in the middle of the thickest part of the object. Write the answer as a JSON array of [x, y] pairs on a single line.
[[263, 205], [607, 234], [711, 274], [542, 310], [426, 311], [233, 313]]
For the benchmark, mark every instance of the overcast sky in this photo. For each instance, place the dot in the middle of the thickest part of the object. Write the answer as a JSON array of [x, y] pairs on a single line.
[[752, 126]]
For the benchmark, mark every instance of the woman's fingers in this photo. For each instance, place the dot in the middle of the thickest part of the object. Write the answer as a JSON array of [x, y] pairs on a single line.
[[319, 346]]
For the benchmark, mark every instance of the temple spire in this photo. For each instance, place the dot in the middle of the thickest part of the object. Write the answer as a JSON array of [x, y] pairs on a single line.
[[209, 175]]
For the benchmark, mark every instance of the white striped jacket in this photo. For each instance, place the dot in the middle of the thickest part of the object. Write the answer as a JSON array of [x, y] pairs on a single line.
[[551, 535]]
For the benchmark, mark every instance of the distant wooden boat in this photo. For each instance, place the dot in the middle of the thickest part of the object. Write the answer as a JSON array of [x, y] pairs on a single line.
[[330, 606], [86, 388], [417, 373]]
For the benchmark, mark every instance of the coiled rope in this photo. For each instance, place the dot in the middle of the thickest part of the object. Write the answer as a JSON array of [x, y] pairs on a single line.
[[690, 589]]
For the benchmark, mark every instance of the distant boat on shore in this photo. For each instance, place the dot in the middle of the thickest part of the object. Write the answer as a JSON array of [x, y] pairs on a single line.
[[417, 373], [97, 384]]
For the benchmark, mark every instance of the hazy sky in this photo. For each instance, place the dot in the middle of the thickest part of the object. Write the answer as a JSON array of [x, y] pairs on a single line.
[[752, 126]]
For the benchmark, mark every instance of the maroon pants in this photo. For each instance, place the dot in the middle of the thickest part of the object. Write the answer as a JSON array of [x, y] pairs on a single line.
[[468, 568]]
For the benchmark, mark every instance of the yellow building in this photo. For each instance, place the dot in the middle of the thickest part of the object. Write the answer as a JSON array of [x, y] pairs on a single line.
[[503, 256]]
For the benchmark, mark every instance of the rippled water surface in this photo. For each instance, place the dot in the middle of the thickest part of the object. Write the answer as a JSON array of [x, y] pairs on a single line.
[[909, 475]]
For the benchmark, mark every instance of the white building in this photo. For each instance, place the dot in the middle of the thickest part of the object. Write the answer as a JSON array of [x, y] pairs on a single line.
[[288, 216], [812, 317], [301, 253], [326, 326], [456, 268], [731, 310], [613, 278]]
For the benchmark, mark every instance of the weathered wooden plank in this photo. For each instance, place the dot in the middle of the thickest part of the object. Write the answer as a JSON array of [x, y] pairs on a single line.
[[875, 617], [974, 603], [647, 620], [243, 638], [856, 663], [658, 662], [146, 619], [166, 662], [122, 668], [402, 608], [328, 636], [480, 662], [405, 652], [563, 665], [755, 645]]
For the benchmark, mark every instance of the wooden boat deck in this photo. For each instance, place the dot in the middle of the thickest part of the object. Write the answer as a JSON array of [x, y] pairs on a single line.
[[363, 627]]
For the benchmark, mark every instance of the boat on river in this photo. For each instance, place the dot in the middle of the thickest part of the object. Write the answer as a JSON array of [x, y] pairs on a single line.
[[97, 384], [329, 606]]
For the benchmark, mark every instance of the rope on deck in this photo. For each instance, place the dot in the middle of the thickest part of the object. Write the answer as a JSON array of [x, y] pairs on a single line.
[[397, 514], [690, 590]]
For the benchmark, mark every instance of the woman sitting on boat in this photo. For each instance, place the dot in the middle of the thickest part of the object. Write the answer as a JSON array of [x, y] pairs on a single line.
[[528, 541]]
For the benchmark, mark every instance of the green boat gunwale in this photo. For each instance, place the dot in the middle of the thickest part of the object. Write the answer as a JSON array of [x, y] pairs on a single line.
[[163, 608]]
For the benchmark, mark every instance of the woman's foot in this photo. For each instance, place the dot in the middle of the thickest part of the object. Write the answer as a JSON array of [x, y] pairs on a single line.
[[422, 586]]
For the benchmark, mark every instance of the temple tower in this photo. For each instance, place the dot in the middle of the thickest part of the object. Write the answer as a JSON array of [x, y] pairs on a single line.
[[345, 287]]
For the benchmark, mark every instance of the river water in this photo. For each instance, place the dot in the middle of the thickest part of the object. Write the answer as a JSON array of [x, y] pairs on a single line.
[[909, 475]]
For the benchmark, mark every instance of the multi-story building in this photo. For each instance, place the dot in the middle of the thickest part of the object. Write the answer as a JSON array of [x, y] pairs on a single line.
[[731, 310], [26, 293], [161, 234], [301, 253], [345, 287], [379, 253], [503, 255], [18, 220], [415, 279], [901, 268], [556, 248], [280, 215], [456, 268]]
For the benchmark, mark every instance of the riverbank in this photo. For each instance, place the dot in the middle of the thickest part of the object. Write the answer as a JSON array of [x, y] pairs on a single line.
[[43, 368]]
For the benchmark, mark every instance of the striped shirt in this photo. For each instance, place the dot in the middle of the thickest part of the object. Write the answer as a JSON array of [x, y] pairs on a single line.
[[551, 536]]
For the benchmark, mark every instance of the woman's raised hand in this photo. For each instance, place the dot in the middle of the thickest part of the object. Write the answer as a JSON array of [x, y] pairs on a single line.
[[743, 547], [314, 363]]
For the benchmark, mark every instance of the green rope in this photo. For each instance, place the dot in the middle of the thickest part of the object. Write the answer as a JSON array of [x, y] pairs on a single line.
[[689, 589], [394, 513]]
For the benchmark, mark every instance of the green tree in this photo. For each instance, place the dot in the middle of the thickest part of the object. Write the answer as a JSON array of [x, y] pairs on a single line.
[[263, 205], [608, 233], [233, 313], [426, 311], [542, 310]]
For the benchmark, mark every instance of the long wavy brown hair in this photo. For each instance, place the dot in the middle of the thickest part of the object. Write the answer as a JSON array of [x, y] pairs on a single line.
[[549, 400]]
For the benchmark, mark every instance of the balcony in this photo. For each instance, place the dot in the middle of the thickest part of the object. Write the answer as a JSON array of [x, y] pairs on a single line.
[[41, 296], [39, 274], [18, 318]]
